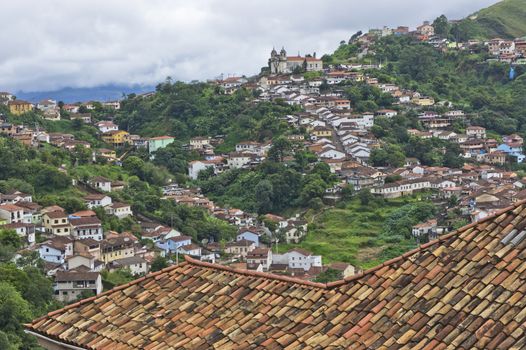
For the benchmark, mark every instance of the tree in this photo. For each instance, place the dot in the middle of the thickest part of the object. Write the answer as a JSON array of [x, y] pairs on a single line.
[[419, 62], [365, 196], [81, 155], [134, 165], [14, 311], [347, 192], [206, 173], [355, 36], [328, 275], [313, 188], [10, 242], [441, 26], [76, 124], [159, 263], [263, 193], [281, 147], [400, 222]]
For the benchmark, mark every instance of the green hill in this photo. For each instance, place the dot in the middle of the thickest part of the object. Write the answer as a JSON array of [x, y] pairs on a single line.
[[506, 19]]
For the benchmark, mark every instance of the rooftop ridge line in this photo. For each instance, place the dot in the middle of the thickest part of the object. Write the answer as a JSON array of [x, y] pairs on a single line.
[[424, 246], [326, 286]]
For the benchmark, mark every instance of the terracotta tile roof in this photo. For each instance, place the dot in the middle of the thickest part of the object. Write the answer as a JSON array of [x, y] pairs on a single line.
[[464, 290]]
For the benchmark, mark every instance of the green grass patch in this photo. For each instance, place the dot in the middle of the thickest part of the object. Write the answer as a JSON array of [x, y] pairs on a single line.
[[353, 234]]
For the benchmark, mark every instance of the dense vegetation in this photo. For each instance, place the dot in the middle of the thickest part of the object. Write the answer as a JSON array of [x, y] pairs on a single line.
[[461, 77], [187, 110], [365, 231], [25, 292], [272, 187], [47, 173], [504, 19]]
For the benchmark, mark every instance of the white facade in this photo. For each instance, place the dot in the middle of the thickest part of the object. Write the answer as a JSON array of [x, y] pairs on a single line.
[[97, 201], [195, 167], [332, 154], [69, 286], [55, 255], [297, 259], [239, 161]]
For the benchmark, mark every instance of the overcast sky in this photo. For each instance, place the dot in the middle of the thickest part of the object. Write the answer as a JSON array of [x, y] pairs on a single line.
[[51, 44]]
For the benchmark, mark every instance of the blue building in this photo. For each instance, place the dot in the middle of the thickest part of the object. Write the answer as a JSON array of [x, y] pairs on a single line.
[[512, 151], [248, 233], [171, 245]]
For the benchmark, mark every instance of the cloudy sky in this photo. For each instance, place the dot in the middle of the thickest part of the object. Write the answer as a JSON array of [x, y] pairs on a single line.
[[51, 44]]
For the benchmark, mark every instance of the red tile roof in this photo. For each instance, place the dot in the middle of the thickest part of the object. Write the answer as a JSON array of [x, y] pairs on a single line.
[[464, 290]]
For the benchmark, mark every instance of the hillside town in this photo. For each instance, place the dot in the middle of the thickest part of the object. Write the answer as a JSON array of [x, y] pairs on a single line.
[[76, 248], [244, 175]]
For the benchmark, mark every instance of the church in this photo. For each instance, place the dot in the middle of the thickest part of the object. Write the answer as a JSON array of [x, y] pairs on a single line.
[[283, 64]]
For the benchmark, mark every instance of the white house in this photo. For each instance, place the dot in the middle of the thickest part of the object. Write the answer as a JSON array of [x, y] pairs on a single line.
[[69, 285], [190, 249], [120, 210], [196, 166], [426, 228], [401, 188], [97, 200], [83, 260], [387, 113], [259, 259], [87, 227], [249, 234], [240, 247], [239, 160], [105, 126], [295, 230], [101, 183], [136, 265], [56, 250], [251, 147], [11, 213], [298, 258], [332, 154]]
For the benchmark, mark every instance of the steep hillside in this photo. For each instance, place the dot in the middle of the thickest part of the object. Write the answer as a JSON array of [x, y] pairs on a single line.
[[506, 19]]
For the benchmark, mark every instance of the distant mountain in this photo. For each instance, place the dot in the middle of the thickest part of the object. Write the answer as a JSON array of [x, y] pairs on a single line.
[[506, 19], [97, 93]]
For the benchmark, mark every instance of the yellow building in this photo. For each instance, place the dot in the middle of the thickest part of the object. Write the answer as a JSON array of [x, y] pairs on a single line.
[[321, 131], [423, 101], [117, 138], [116, 248], [18, 107], [56, 223], [107, 153]]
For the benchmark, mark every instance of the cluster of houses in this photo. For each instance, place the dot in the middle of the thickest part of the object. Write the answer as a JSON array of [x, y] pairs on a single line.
[[293, 229], [248, 252], [49, 108], [511, 51], [247, 154], [474, 143], [76, 247], [109, 133]]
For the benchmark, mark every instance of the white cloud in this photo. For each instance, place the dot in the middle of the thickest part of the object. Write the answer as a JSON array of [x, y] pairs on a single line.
[[83, 43]]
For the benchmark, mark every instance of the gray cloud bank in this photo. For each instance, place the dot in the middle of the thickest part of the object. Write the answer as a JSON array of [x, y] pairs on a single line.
[[51, 44]]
